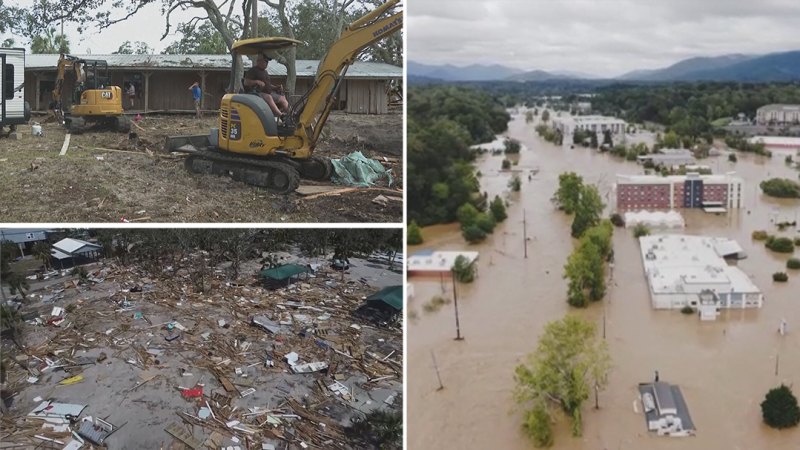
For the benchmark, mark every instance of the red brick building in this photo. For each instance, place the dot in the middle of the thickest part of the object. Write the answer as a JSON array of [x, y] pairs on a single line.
[[654, 192]]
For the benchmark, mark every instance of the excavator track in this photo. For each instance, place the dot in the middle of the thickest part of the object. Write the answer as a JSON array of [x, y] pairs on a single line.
[[316, 168], [277, 176]]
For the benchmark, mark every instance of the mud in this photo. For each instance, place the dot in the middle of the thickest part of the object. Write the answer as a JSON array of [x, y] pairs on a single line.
[[104, 177], [724, 368]]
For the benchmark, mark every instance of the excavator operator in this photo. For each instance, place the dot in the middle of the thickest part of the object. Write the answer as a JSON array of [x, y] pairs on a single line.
[[258, 77]]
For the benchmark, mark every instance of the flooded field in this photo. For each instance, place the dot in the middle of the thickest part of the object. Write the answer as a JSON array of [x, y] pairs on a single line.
[[724, 368]]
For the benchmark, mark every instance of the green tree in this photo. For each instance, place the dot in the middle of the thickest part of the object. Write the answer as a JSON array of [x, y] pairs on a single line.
[[779, 408], [528, 117], [42, 252], [414, 234], [467, 214], [198, 40], [593, 140], [568, 363], [545, 116], [485, 222], [135, 48], [379, 429], [588, 210], [498, 209], [473, 233], [50, 42], [608, 141], [515, 184], [464, 270], [781, 188], [537, 425], [569, 191], [671, 140]]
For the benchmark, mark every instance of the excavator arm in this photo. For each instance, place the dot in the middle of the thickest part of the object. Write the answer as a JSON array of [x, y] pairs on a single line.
[[65, 62], [372, 27]]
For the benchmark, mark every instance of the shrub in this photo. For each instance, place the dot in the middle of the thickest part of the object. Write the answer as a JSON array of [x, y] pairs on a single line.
[[640, 230], [797, 242], [617, 220], [473, 233], [779, 408], [793, 263], [506, 164], [511, 146], [467, 214], [732, 157], [760, 235], [414, 234], [515, 184], [498, 209], [780, 244], [687, 310], [780, 188], [485, 222], [780, 277], [435, 304]]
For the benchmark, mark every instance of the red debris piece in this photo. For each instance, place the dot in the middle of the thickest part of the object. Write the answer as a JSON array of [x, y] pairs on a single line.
[[191, 393]]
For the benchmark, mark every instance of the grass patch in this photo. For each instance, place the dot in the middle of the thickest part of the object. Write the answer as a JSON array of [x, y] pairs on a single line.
[[435, 304]]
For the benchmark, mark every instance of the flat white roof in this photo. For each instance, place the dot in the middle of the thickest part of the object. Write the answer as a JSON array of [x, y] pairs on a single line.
[[588, 120], [683, 264], [430, 261], [776, 140], [658, 179]]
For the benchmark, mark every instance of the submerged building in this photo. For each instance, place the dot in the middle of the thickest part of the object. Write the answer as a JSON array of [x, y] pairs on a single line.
[[683, 270], [778, 114], [665, 409], [655, 192]]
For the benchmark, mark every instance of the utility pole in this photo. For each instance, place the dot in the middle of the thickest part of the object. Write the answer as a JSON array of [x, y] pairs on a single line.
[[455, 303], [777, 362], [525, 233], [438, 376]]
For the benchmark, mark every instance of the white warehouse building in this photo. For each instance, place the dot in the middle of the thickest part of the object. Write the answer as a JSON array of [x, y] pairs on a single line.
[[688, 270], [569, 124]]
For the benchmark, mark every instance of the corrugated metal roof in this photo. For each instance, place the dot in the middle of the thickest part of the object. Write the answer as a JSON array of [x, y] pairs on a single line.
[[305, 67], [72, 246]]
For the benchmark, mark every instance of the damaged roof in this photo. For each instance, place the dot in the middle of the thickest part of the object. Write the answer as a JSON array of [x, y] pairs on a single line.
[[285, 271], [391, 295], [304, 67]]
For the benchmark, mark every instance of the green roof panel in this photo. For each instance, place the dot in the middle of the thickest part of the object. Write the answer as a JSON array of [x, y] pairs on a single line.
[[392, 296], [283, 272]]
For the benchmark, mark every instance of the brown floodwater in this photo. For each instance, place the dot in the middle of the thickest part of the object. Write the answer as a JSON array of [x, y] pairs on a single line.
[[724, 368]]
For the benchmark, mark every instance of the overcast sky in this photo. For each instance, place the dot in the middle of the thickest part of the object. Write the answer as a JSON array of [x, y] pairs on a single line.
[[147, 25], [599, 37]]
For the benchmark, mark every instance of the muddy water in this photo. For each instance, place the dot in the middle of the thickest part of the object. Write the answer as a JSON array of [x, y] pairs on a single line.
[[724, 368]]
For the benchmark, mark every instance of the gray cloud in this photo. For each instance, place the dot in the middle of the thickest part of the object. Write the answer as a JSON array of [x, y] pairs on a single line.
[[601, 37]]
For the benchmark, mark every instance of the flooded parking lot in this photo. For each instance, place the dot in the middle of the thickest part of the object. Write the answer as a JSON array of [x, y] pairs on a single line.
[[724, 367]]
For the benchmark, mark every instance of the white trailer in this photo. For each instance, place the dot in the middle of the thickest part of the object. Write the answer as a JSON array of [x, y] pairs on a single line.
[[14, 110]]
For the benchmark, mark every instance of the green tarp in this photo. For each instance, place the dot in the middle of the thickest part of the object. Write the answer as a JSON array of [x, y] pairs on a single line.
[[392, 296], [283, 272], [356, 169]]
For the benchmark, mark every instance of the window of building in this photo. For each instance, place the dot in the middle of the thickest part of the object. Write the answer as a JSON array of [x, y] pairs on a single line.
[[8, 86]]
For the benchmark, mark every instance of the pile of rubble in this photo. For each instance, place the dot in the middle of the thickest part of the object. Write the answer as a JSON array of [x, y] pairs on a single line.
[[125, 359]]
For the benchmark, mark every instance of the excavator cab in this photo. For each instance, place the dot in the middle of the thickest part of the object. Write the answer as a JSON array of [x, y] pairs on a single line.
[[249, 145]]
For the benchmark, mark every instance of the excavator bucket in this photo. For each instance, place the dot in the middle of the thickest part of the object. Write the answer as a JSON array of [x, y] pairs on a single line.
[[266, 46]]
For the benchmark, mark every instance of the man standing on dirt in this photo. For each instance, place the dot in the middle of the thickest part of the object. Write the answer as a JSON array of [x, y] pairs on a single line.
[[196, 93], [258, 77], [131, 93]]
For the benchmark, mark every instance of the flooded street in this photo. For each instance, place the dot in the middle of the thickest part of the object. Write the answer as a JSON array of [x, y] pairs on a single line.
[[724, 368]]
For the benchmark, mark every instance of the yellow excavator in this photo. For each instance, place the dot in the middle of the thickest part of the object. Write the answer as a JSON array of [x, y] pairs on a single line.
[[250, 144], [94, 102]]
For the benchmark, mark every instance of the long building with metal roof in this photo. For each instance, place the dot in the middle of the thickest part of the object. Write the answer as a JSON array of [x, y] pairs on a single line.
[[162, 82]]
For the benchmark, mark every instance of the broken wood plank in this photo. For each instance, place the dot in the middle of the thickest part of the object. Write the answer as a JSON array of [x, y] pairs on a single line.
[[65, 146], [182, 435]]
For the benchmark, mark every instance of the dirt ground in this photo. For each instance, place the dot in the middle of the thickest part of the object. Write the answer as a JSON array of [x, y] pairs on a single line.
[[139, 339], [104, 178]]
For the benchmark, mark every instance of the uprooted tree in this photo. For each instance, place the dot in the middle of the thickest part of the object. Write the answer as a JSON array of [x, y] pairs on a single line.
[[569, 362]]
